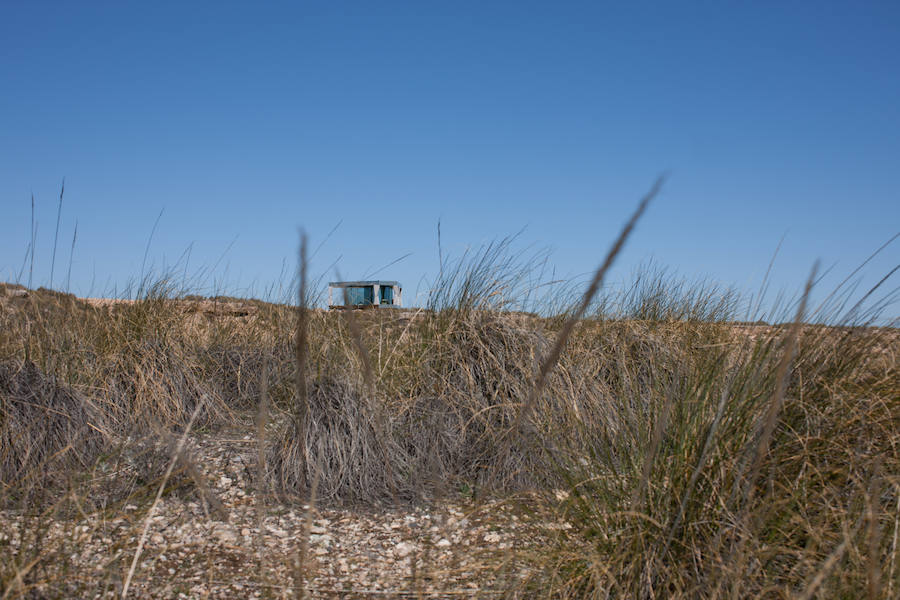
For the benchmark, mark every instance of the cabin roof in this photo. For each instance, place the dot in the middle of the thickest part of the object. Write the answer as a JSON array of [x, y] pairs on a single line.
[[362, 283]]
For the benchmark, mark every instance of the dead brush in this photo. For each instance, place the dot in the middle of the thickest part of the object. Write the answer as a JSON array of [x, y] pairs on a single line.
[[233, 371], [339, 432], [159, 385], [57, 442], [468, 388], [46, 430], [135, 360]]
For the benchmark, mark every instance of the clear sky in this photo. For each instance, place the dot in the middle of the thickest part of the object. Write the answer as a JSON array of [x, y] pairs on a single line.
[[245, 121]]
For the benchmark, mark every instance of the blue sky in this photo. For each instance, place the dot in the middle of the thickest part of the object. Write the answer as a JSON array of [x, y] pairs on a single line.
[[244, 122]]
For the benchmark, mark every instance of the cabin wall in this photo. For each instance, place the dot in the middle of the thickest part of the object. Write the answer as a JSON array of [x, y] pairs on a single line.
[[365, 295]]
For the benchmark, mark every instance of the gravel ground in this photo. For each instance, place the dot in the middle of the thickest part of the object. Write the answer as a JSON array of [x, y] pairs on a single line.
[[231, 542]]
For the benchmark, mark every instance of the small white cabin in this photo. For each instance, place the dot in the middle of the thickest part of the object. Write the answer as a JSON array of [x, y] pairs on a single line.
[[364, 294]]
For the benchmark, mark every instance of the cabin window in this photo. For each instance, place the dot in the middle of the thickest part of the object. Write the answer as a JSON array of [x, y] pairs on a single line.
[[360, 295], [387, 294]]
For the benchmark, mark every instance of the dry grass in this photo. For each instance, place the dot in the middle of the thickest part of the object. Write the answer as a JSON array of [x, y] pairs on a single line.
[[691, 456], [48, 429]]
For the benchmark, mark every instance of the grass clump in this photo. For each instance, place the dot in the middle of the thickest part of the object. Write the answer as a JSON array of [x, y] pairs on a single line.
[[761, 464], [46, 430]]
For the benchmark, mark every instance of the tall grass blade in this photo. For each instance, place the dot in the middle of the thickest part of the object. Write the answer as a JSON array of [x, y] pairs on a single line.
[[552, 357], [71, 256], [56, 235], [141, 283]]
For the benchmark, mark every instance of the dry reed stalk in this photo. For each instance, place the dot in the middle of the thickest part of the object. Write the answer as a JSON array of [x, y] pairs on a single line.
[[56, 235], [301, 413], [781, 383], [301, 574], [19, 578], [162, 486], [552, 357], [262, 415], [827, 566], [71, 256], [893, 562], [873, 534], [659, 430], [31, 246], [745, 523]]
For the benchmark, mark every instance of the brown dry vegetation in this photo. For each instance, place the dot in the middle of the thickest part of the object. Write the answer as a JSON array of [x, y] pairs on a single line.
[[688, 456]]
